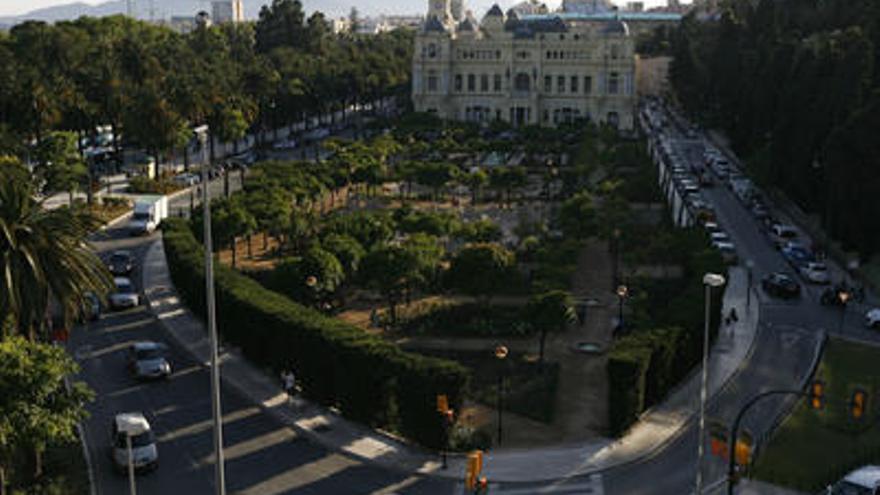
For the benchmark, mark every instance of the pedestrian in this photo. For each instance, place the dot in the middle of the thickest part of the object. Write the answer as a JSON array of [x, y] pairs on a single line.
[[288, 381], [733, 317]]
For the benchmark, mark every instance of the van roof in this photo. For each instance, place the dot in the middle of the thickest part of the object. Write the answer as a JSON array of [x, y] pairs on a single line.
[[132, 423], [867, 476]]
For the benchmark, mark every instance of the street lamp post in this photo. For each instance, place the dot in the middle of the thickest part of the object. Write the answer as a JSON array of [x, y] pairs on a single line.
[[622, 292], [500, 354], [616, 235], [750, 266], [843, 297], [219, 470], [132, 488], [710, 280]]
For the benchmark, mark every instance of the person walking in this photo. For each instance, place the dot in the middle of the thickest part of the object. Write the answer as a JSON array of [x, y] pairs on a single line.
[[288, 381]]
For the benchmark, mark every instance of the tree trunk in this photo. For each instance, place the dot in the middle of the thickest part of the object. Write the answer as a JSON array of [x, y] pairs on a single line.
[[233, 253], [226, 183], [265, 240], [541, 348], [249, 249]]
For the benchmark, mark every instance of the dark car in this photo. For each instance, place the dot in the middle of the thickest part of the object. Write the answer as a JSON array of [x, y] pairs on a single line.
[[120, 263], [781, 285]]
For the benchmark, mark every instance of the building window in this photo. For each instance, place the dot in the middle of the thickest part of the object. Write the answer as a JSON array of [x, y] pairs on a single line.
[[613, 83], [432, 81], [615, 52], [548, 84], [521, 82], [574, 84], [588, 85], [549, 53], [498, 54], [484, 83], [497, 82], [560, 84], [432, 50], [472, 83], [458, 83]]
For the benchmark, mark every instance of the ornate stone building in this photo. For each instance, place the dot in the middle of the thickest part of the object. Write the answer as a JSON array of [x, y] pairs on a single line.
[[542, 68]]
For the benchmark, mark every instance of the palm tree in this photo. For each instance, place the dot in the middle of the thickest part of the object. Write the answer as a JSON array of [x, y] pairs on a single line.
[[44, 258]]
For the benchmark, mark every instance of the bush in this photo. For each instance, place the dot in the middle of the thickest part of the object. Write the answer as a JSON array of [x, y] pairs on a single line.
[[144, 185], [339, 365], [627, 367], [466, 438], [469, 320]]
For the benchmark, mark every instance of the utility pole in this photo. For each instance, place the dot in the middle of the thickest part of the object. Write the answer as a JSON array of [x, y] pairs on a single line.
[[219, 468]]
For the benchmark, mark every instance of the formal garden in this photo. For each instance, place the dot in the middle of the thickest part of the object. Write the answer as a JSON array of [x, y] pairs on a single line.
[[411, 253]]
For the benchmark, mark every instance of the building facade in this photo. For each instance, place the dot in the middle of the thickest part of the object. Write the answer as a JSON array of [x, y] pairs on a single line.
[[227, 11], [540, 69]]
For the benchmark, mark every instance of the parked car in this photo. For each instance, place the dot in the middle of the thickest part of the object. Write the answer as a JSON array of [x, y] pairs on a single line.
[[125, 295], [872, 318], [133, 429], [797, 256], [780, 284], [815, 272], [727, 250], [863, 481], [186, 179], [781, 233], [146, 360], [120, 262]]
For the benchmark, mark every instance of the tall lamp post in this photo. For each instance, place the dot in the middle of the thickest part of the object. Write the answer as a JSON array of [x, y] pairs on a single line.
[[616, 238], [622, 292], [710, 280], [844, 297], [500, 354], [750, 267], [219, 469]]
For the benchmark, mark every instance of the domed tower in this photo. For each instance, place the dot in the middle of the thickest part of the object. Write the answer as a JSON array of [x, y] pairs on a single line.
[[493, 21]]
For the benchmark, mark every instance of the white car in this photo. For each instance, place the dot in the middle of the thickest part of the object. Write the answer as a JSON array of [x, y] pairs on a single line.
[[872, 318], [186, 179], [863, 481], [146, 361], [719, 236], [132, 429], [125, 296], [815, 273]]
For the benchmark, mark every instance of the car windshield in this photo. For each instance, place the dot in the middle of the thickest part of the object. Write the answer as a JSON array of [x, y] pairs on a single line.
[[141, 216], [123, 287], [148, 354], [141, 440], [119, 258], [847, 488]]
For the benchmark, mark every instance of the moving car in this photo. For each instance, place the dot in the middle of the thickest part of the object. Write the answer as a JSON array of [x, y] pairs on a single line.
[[780, 284], [125, 295], [863, 481], [120, 263], [872, 319], [815, 272], [186, 179], [133, 429], [146, 360]]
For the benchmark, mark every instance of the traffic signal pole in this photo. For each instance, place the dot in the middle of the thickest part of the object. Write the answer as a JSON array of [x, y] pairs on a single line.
[[734, 432]]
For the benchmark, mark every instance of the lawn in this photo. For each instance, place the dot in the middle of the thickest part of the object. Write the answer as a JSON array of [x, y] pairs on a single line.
[[814, 448]]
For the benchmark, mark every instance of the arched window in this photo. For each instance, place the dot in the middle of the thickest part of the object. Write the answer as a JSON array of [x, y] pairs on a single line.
[[521, 82]]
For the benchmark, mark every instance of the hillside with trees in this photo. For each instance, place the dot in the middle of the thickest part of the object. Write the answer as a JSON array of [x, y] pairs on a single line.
[[794, 84]]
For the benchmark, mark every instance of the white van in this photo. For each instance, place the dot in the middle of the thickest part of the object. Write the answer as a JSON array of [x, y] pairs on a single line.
[[862, 481], [144, 454]]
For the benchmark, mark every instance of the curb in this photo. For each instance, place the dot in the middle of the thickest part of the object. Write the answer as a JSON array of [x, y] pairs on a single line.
[[278, 413]]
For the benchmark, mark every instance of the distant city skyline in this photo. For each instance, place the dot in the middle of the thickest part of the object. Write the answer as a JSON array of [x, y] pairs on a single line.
[[19, 7]]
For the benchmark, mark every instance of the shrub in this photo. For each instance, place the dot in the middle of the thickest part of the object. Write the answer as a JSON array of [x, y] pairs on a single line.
[[627, 367], [370, 380]]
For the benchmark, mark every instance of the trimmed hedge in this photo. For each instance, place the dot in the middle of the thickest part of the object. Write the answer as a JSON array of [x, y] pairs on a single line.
[[338, 365], [642, 369]]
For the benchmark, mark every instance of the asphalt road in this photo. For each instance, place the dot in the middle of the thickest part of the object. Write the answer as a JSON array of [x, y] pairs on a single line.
[[262, 455]]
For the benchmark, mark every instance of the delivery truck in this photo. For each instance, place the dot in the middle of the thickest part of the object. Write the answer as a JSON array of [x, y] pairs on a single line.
[[148, 214]]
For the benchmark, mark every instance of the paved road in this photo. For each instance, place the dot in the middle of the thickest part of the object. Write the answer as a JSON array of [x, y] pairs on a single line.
[[262, 456]]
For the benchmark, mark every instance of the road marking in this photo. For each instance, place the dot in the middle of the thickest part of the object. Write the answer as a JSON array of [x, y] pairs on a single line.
[[393, 489], [302, 475]]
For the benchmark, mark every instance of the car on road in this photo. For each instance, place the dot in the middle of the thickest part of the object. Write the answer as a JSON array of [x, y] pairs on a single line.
[[132, 430], [781, 284], [120, 262], [872, 318], [815, 272], [124, 296], [863, 481], [91, 308], [147, 361], [781, 233], [727, 250], [797, 256], [186, 179]]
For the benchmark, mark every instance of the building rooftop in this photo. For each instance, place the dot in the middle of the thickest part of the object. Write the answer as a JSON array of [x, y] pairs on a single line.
[[607, 16]]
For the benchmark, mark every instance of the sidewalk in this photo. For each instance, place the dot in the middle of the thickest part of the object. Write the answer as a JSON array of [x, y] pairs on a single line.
[[656, 429]]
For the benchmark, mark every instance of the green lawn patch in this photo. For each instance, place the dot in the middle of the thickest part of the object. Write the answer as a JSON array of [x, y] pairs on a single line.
[[468, 320], [814, 448], [529, 388]]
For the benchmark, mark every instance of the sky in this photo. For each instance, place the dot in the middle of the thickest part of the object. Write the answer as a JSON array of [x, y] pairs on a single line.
[[17, 7]]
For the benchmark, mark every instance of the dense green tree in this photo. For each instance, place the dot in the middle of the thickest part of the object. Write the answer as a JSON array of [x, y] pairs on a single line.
[[391, 269], [37, 408], [62, 167], [550, 311], [481, 270]]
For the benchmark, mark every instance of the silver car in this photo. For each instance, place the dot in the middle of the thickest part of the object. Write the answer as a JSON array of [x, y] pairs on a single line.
[[133, 431], [147, 361], [125, 296]]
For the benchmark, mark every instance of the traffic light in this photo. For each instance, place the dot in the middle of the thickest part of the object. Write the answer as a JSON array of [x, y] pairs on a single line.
[[857, 404], [474, 468], [817, 395]]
